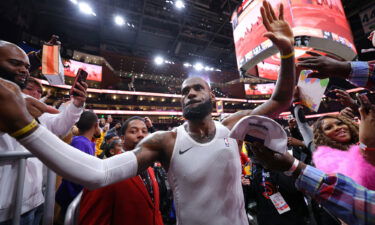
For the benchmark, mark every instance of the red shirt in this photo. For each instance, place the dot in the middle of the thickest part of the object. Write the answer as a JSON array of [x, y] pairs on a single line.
[[124, 203]]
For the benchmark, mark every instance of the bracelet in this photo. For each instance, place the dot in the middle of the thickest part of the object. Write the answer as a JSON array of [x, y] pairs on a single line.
[[287, 56], [292, 168], [25, 129]]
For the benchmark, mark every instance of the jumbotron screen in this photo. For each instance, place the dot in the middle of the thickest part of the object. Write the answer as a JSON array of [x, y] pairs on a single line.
[[321, 24], [94, 71], [259, 89]]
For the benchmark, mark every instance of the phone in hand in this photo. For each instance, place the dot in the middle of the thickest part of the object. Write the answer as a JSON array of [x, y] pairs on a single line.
[[80, 77]]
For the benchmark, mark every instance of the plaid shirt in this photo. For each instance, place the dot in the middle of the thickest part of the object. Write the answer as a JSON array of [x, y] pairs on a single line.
[[363, 74], [352, 203]]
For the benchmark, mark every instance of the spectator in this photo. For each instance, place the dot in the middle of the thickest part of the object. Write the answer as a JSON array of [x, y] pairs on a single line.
[[337, 150], [33, 88], [115, 130], [88, 129], [131, 201], [115, 147], [14, 65]]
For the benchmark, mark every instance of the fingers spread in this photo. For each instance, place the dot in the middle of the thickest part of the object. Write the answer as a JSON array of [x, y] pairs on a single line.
[[266, 23], [267, 10], [281, 12], [273, 15]]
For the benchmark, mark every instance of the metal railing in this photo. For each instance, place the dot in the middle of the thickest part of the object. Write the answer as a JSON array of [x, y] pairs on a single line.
[[49, 196]]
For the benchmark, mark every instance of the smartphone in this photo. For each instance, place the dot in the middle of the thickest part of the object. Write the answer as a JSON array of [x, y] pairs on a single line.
[[80, 77]]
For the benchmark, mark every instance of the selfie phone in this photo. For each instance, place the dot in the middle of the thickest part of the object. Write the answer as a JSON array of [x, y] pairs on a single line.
[[80, 77]]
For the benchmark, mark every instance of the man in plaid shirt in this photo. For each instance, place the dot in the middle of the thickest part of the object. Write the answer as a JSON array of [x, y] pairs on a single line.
[[359, 73], [340, 195]]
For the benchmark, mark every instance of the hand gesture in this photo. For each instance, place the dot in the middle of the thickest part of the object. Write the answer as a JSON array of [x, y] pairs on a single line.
[[270, 159], [14, 113], [148, 122], [80, 89], [367, 124], [245, 181], [367, 128], [278, 30], [348, 113], [37, 108], [324, 66], [344, 98], [295, 142]]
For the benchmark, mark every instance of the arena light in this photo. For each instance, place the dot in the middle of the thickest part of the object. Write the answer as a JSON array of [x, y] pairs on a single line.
[[119, 20], [74, 2], [198, 66], [179, 4], [159, 60], [86, 8]]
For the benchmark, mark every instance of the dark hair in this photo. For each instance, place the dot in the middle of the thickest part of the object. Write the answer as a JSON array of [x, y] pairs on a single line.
[[320, 139], [107, 151], [126, 123], [86, 121]]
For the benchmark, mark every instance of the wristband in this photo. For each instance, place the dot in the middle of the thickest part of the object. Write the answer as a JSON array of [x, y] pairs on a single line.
[[365, 148], [25, 129], [292, 168], [287, 56]]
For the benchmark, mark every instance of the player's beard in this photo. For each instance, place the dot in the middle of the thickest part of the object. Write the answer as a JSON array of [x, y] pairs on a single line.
[[198, 112]]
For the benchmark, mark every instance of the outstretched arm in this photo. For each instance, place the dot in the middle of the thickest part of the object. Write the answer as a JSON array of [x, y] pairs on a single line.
[[67, 161], [280, 33]]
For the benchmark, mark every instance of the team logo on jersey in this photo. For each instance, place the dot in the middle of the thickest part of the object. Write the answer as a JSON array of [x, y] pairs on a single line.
[[226, 141]]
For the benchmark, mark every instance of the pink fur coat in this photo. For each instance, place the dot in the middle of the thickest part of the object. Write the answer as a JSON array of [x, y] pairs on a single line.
[[350, 163]]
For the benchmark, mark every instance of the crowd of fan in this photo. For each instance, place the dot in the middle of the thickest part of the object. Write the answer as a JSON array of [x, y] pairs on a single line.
[[339, 145]]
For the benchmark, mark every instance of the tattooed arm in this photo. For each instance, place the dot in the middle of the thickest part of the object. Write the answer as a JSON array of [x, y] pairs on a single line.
[[155, 147]]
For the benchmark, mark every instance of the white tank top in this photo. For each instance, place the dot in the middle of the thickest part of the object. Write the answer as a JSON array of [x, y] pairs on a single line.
[[206, 180]]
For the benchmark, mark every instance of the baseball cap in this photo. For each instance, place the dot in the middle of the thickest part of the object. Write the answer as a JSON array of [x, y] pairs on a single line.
[[261, 129]]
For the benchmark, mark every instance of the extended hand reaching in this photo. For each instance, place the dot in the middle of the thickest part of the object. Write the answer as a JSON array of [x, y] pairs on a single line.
[[324, 66], [279, 31]]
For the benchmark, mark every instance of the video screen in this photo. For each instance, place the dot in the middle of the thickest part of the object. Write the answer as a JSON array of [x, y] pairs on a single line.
[[259, 89], [94, 71], [322, 19]]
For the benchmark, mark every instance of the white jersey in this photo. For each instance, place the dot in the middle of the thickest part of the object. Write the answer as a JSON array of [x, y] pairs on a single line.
[[206, 180]]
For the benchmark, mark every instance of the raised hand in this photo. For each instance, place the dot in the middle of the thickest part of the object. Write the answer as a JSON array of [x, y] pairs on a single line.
[[324, 66], [344, 98], [148, 122], [278, 30], [80, 99], [348, 113], [367, 128], [13, 113]]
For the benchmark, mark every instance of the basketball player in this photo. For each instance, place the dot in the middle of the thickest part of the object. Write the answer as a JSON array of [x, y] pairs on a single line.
[[202, 161]]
